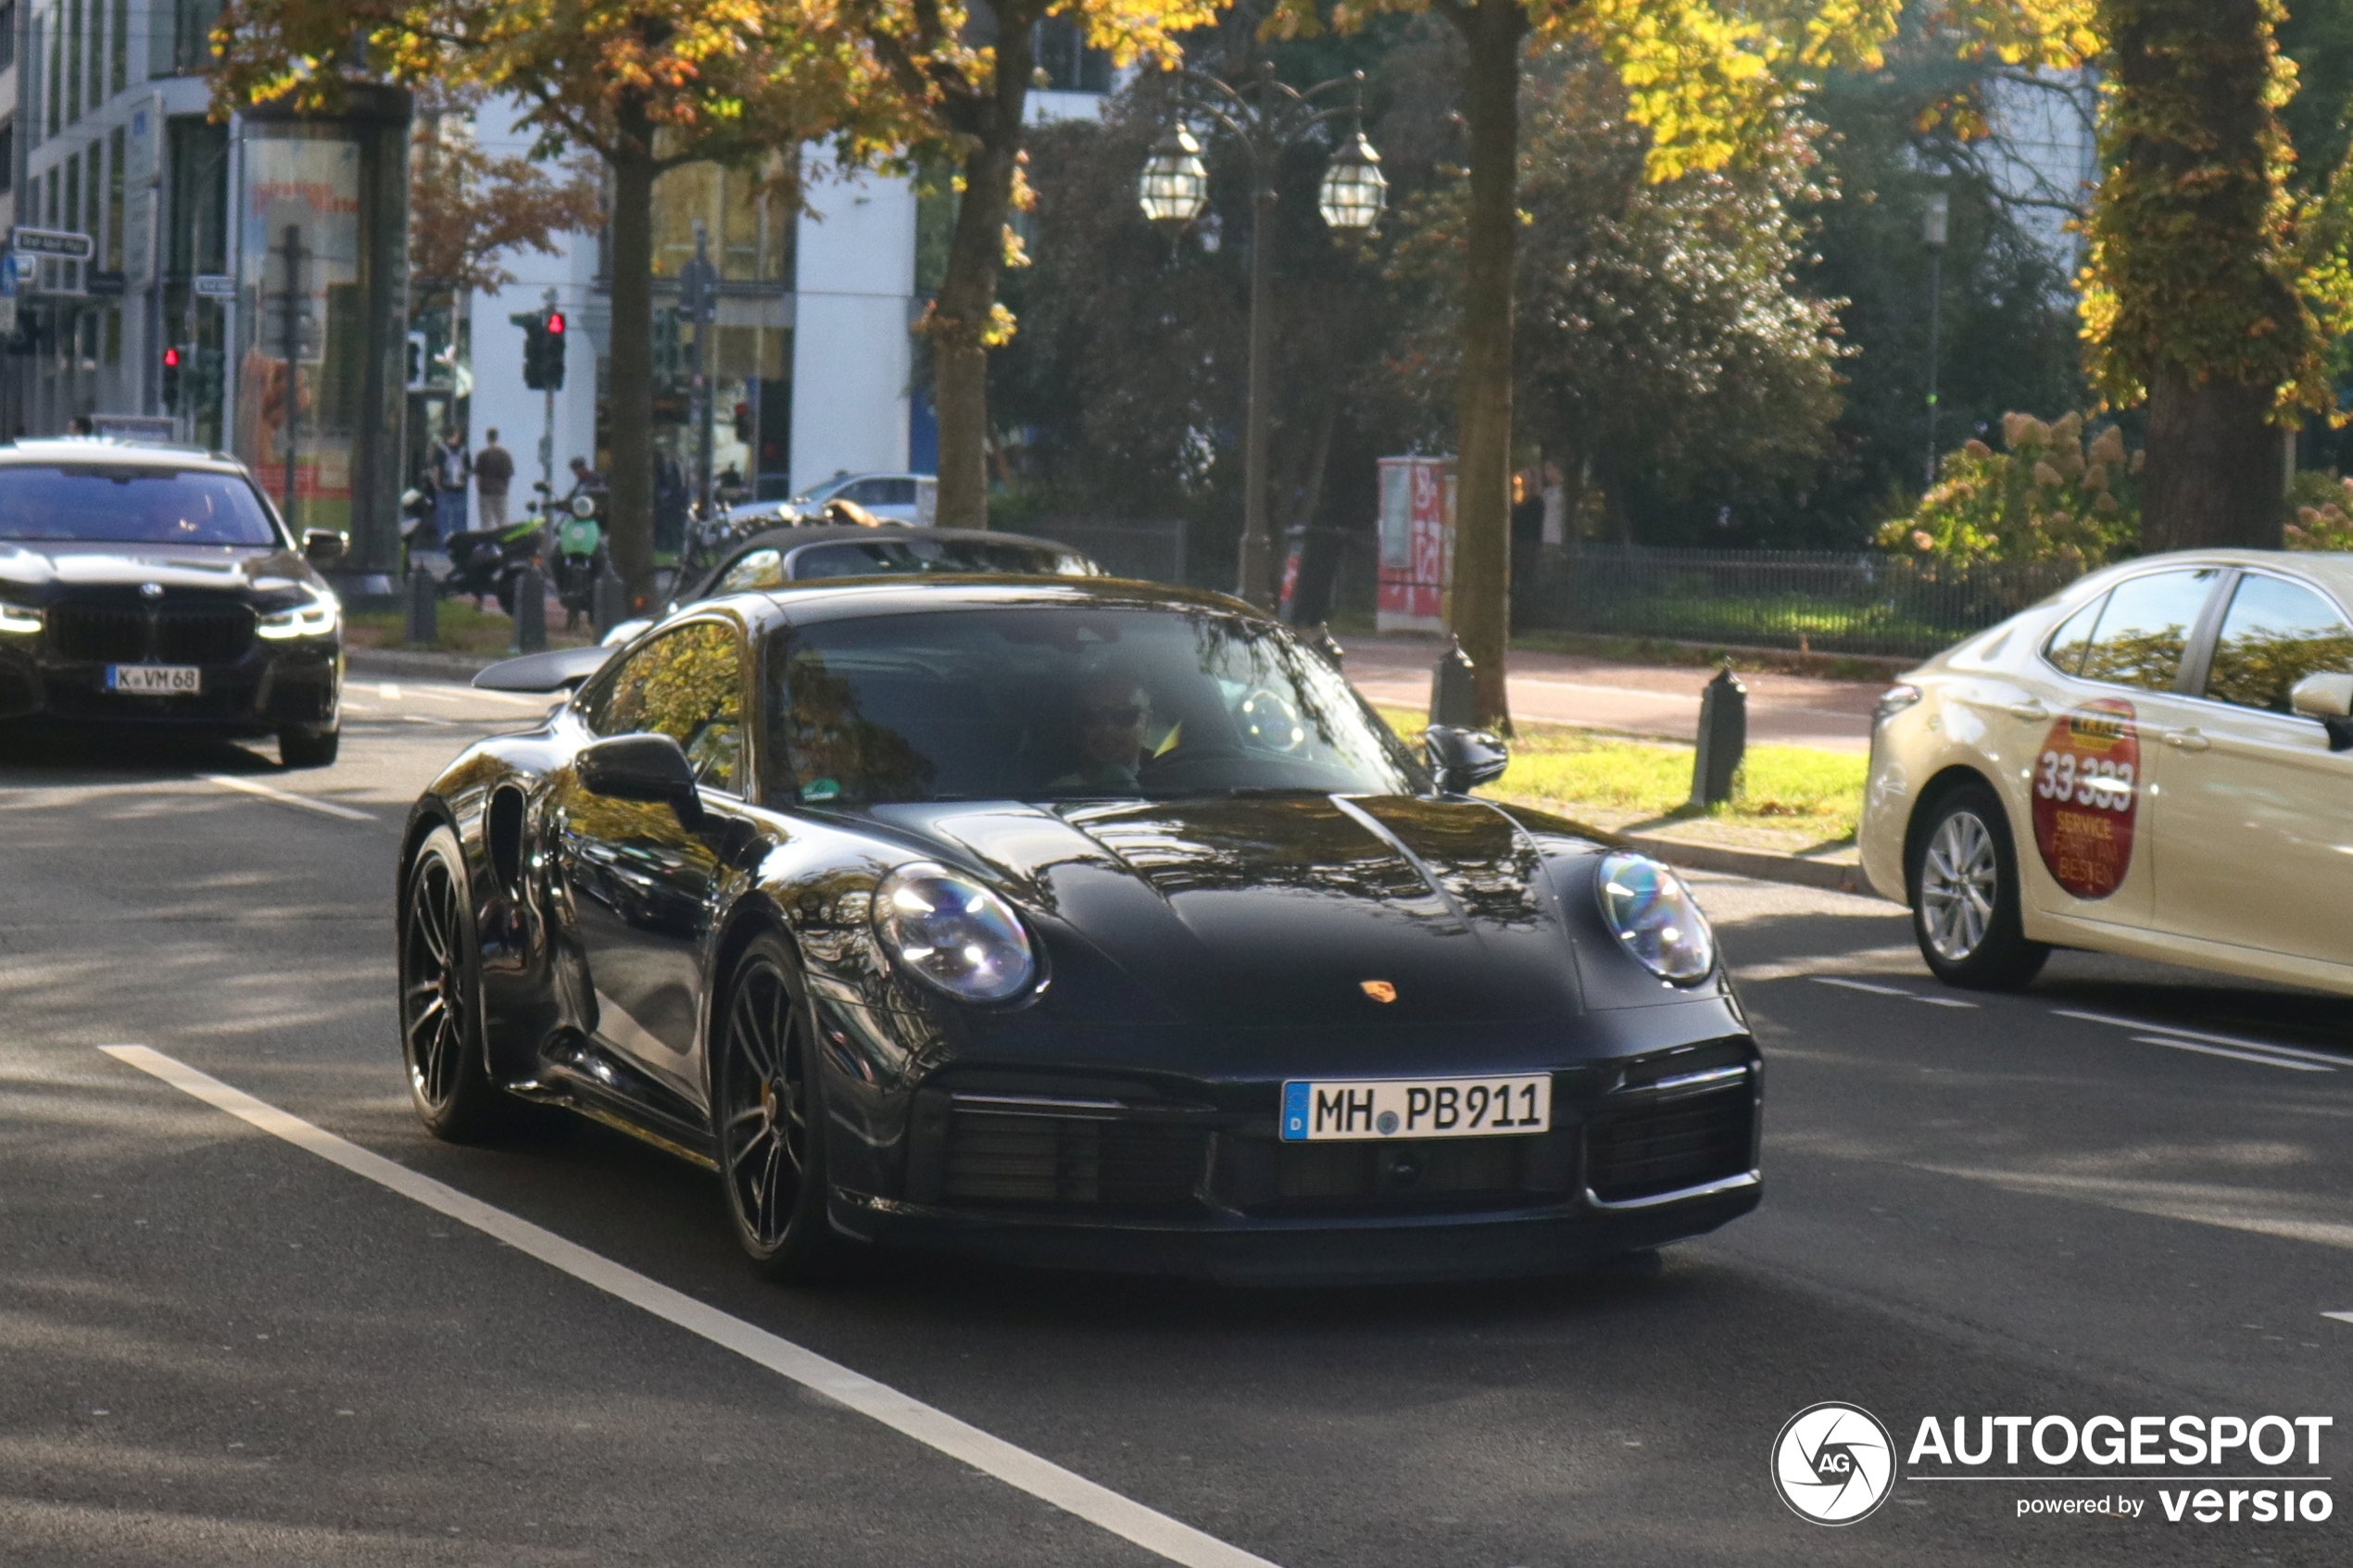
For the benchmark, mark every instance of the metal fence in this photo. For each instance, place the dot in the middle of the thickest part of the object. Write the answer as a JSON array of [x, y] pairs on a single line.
[[1823, 602]]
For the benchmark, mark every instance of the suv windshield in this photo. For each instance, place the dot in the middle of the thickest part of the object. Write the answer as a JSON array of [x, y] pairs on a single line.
[[1067, 702], [128, 505]]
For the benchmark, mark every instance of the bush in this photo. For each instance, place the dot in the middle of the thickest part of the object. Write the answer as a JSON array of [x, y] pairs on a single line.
[[2052, 496], [2321, 507]]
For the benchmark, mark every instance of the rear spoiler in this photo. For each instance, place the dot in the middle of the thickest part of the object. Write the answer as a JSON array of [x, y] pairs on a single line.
[[558, 670]]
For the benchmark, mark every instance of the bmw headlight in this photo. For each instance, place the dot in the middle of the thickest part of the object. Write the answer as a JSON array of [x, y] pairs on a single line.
[[1655, 918], [954, 933], [18, 621], [317, 619]]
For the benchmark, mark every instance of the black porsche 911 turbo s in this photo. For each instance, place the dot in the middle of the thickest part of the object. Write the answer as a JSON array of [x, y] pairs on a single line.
[[1082, 922]]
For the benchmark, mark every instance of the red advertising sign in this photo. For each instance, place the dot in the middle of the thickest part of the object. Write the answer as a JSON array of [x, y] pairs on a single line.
[[2087, 794]]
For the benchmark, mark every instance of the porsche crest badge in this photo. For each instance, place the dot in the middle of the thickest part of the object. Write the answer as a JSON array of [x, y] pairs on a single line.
[[1379, 990]]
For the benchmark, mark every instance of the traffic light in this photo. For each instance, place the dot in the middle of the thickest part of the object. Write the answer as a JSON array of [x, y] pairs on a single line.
[[543, 348], [743, 423], [171, 379]]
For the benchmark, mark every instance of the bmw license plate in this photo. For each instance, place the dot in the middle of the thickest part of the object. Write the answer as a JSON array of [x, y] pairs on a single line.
[[153, 680], [1334, 1109]]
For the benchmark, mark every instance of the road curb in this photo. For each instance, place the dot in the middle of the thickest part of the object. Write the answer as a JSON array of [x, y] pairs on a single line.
[[415, 663], [1834, 876]]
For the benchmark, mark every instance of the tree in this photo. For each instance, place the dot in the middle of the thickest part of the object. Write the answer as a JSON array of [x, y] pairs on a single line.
[[2215, 289], [466, 208], [646, 86], [971, 98]]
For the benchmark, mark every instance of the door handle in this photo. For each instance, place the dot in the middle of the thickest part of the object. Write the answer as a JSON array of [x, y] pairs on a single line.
[[2029, 711], [2186, 740]]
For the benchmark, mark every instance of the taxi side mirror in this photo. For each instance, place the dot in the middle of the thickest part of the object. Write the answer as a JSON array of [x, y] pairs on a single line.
[[2327, 696]]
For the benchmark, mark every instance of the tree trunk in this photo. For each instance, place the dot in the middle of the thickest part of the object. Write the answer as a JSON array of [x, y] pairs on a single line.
[[1482, 595], [961, 315], [2214, 468], [631, 415]]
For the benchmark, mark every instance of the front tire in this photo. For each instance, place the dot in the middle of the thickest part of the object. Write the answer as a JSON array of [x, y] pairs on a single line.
[[1966, 897], [309, 748], [770, 1101], [440, 1016]]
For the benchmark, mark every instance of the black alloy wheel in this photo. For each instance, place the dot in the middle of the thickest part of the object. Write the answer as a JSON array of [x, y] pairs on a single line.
[[1964, 895], [309, 748], [440, 1016], [771, 1118]]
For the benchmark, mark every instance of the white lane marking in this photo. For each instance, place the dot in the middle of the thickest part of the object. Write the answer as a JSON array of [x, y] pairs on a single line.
[[936, 1429], [359, 707], [388, 690], [1858, 985], [286, 797], [2341, 1317], [1889, 991], [475, 694], [2234, 1056], [2323, 1058], [428, 719]]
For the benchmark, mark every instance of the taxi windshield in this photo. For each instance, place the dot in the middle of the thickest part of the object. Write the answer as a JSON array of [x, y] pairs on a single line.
[[131, 505], [1068, 702]]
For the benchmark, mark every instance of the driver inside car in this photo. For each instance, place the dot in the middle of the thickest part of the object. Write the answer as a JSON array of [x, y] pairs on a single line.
[[1112, 726]]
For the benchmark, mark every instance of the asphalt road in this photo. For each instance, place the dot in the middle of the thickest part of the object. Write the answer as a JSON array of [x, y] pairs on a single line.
[[216, 1346]]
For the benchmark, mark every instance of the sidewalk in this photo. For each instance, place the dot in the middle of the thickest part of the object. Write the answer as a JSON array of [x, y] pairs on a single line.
[[1635, 699]]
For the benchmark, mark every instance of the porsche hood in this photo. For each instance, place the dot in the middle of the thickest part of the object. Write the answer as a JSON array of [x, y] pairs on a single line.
[[1299, 909]]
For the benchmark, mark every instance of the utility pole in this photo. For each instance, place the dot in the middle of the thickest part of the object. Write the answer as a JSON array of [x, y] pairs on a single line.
[[548, 423], [293, 319], [698, 297], [1933, 218]]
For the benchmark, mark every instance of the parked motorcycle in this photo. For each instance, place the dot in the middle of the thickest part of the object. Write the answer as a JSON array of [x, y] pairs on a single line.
[[580, 558], [486, 561]]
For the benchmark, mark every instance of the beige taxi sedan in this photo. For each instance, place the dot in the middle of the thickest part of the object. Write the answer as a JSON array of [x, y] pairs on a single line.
[[2157, 762]]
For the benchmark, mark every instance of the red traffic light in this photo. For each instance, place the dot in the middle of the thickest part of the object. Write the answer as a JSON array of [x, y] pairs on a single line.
[[172, 358], [556, 321]]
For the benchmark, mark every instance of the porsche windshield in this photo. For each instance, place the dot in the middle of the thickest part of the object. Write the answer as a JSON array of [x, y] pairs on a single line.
[[131, 504], [1068, 702]]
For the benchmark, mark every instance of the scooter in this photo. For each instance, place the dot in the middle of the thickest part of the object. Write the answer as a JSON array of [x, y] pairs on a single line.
[[580, 557], [486, 561]]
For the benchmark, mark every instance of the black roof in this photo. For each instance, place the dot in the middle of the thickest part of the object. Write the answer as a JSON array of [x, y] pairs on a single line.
[[855, 597]]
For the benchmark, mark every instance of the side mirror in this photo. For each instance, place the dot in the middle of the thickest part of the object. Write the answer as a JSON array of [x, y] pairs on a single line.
[[650, 767], [2328, 699], [1462, 759], [321, 545]]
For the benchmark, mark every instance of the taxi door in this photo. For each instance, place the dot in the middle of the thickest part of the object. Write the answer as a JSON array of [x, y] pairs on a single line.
[[2257, 818], [2091, 770]]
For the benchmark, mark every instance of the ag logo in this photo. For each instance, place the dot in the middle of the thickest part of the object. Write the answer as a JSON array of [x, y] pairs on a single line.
[[1833, 1463]]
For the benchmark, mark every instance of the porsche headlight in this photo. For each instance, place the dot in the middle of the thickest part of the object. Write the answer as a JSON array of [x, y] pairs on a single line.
[[1655, 918], [317, 619], [953, 934], [18, 621]]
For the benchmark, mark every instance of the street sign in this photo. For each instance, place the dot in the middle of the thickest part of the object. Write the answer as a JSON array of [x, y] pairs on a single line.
[[67, 243], [103, 286], [215, 285]]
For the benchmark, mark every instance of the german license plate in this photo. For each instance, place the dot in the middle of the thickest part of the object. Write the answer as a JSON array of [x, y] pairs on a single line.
[[153, 680], [1336, 1110]]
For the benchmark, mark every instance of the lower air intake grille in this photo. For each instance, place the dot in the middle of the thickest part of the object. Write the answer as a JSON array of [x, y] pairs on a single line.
[[1065, 1162], [1643, 1151]]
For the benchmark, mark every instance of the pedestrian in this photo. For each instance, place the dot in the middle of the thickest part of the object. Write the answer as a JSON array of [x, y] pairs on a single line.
[[586, 481], [493, 470], [451, 468]]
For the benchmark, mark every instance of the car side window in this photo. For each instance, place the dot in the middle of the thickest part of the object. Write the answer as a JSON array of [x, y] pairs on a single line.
[[2275, 634], [687, 685], [893, 492], [2070, 642], [2144, 629], [865, 493], [759, 568]]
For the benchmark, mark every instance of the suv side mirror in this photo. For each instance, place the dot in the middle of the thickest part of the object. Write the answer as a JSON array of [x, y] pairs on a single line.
[[321, 545], [2328, 699], [648, 767], [1462, 759]]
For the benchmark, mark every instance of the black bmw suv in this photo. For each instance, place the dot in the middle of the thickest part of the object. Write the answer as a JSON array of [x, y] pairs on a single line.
[[156, 587]]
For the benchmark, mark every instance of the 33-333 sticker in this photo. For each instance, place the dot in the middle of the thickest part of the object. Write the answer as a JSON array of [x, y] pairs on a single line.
[[2087, 792]]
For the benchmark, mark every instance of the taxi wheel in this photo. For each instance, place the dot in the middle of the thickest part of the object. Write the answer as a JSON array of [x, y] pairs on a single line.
[[1965, 897]]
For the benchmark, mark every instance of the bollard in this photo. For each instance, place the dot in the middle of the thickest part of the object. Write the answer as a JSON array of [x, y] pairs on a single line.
[[530, 610], [1454, 699], [1723, 738], [424, 629], [611, 602]]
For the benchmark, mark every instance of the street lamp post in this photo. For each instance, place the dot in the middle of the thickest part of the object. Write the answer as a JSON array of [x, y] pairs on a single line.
[[1934, 217], [1267, 120]]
